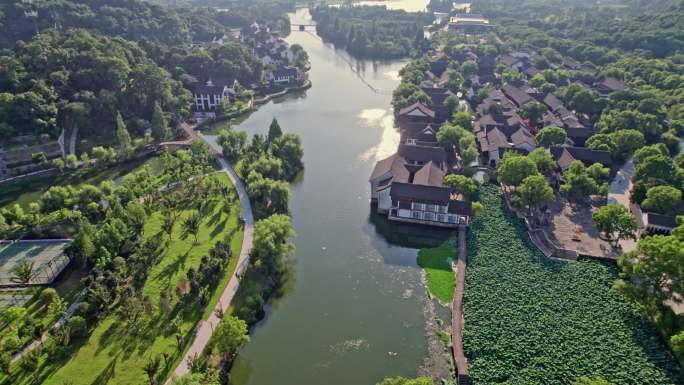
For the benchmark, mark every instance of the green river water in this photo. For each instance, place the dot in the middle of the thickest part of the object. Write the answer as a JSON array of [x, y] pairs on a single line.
[[353, 312]]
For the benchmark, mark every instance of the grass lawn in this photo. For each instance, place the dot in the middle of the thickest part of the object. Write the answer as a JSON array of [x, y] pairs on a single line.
[[437, 264], [112, 353]]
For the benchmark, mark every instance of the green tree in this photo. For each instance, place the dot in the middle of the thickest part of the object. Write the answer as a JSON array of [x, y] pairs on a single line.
[[662, 199], [656, 169], [614, 220], [151, 368], [534, 192], [268, 196], [601, 142], [229, 336], [534, 111], [451, 103], [551, 136], [644, 152], [463, 119], [40, 158], [123, 137], [272, 238], [47, 296], [451, 135], [58, 163], [274, 131], [650, 274], [598, 172], [626, 142], [23, 272], [191, 224], [583, 101], [462, 185], [543, 160], [232, 144], [72, 161], [577, 184], [514, 168], [160, 127], [288, 148]]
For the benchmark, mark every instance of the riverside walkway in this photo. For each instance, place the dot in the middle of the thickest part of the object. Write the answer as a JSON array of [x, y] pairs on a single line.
[[460, 361], [206, 327]]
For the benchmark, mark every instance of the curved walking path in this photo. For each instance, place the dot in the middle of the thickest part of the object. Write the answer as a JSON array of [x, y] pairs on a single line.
[[206, 327], [460, 361]]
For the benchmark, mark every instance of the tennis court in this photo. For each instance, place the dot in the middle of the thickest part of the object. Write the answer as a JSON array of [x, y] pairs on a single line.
[[47, 256]]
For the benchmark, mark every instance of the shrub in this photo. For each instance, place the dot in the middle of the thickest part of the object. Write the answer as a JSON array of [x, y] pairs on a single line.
[[78, 327], [48, 295], [11, 343]]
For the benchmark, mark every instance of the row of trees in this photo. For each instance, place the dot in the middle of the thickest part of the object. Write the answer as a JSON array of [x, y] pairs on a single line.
[[372, 32]]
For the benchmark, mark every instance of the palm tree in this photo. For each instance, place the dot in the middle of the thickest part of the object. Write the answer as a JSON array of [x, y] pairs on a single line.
[[167, 224], [191, 224], [24, 272], [151, 368]]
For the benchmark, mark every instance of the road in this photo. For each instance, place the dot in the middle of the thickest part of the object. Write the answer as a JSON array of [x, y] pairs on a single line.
[[206, 327]]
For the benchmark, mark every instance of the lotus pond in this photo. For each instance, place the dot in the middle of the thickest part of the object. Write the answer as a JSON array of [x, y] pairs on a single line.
[[532, 320]]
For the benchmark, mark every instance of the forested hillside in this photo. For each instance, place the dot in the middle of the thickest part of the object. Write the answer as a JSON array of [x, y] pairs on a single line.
[[61, 79], [131, 19], [79, 62]]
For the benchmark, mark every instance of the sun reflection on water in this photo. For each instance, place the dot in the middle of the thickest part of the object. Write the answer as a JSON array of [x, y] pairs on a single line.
[[376, 117]]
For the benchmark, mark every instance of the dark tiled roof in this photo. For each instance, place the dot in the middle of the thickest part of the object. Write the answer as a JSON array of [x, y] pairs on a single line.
[[422, 193], [422, 154], [203, 89], [517, 95], [283, 71], [586, 155], [420, 107], [580, 132], [437, 95], [552, 102], [531, 71], [667, 221], [228, 82], [509, 60], [613, 84]]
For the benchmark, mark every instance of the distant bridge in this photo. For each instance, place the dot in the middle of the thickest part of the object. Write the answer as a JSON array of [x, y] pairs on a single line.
[[303, 27]]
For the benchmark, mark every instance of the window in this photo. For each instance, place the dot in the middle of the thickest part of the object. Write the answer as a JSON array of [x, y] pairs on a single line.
[[441, 218], [429, 207], [417, 215], [419, 206], [453, 219], [443, 209], [429, 216]]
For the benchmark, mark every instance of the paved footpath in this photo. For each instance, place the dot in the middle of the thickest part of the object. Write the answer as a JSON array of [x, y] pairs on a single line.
[[206, 327], [460, 360], [619, 192]]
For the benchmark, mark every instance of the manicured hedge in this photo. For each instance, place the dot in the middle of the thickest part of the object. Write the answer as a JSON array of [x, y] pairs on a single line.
[[531, 320]]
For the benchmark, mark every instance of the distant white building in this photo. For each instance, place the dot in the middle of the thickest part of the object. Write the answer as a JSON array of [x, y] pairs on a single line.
[[283, 75], [214, 93]]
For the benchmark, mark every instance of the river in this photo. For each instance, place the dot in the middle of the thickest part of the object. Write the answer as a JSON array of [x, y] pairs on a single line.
[[354, 311]]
